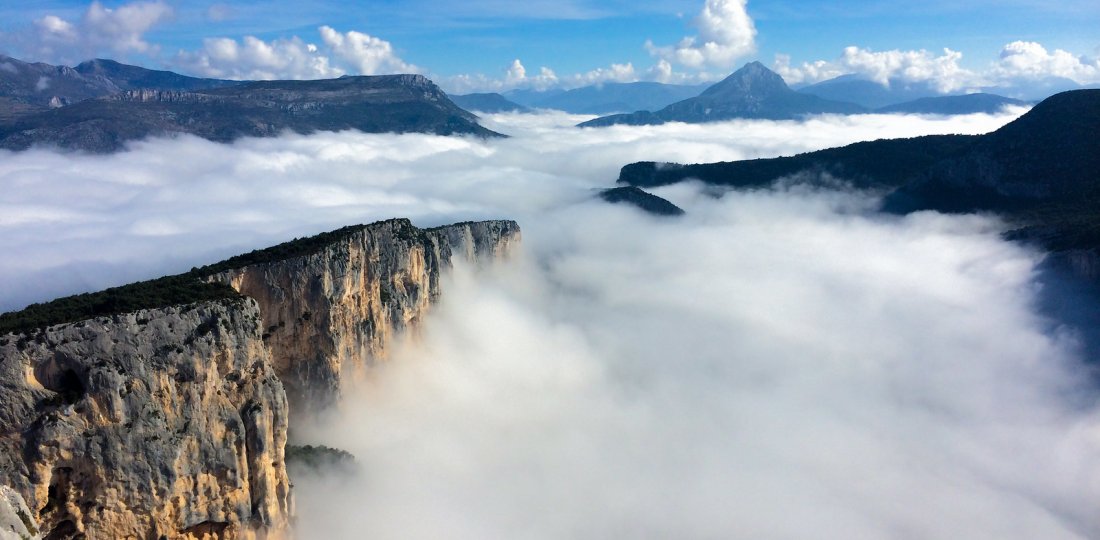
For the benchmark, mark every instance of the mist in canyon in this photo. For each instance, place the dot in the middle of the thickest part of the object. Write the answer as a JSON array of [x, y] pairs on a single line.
[[776, 363]]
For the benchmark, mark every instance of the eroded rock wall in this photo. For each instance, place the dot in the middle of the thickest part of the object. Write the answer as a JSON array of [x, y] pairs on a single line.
[[333, 312], [159, 423]]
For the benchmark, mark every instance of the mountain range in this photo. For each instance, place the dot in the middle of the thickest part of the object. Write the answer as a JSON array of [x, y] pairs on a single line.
[[100, 105], [607, 98], [755, 91], [140, 103], [1041, 171]]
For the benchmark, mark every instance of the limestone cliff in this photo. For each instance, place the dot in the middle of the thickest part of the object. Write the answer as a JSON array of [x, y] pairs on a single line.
[[334, 310], [161, 423]]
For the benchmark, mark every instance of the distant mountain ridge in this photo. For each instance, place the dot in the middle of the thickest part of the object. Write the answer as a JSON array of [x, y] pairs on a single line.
[[372, 104], [487, 103], [753, 91], [42, 85], [127, 77], [1041, 171], [607, 98], [870, 94], [961, 104]]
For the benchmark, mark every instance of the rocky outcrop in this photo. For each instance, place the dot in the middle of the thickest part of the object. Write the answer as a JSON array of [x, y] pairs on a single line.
[[332, 312], [161, 423], [172, 422]]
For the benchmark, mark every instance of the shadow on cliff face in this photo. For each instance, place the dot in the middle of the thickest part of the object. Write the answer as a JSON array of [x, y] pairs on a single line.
[[1071, 298]]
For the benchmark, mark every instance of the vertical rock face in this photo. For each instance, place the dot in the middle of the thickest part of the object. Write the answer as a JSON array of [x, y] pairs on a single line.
[[334, 311], [162, 423]]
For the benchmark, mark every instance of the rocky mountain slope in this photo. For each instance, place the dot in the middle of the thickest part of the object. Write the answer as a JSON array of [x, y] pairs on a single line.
[[161, 409], [127, 77], [38, 86], [753, 91], [375, 104]]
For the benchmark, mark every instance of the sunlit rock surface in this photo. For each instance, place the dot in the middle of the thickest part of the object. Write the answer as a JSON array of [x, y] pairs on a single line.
[[328, 314], [159, 423]]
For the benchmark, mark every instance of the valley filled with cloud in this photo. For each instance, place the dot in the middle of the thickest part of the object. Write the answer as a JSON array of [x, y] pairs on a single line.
[[784, 362]]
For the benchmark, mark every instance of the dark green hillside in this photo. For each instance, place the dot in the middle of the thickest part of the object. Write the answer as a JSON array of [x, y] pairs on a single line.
[[885, 163]]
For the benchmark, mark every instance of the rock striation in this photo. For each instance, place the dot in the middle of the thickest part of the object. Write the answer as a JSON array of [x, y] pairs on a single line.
[[161, 423], [332, 312]]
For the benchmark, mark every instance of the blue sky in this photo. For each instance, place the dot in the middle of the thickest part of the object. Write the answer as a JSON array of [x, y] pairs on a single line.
[[472, 45]]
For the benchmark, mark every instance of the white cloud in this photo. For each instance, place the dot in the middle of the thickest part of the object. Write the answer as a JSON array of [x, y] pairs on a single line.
[[1027, 60], [515, 76], [627, 376], [726, 34], [100, 30], [942, 71], [365, 54], [1021, 63], [352, 52]]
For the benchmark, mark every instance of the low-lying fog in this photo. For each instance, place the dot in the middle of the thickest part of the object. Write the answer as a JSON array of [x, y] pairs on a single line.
[[776, 364]]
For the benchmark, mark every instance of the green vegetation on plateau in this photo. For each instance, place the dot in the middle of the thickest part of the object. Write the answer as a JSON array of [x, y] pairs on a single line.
[[186, 288]]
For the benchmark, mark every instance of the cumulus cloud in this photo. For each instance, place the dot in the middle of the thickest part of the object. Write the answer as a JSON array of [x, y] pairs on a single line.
[[726, 34], [942, 71], [775, 364], [1020, 64], [1028, 60], [344, 53], [100, 30], [514, 76]]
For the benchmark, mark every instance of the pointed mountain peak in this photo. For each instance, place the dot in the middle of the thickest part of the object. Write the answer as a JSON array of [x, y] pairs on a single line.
[[752, 79]]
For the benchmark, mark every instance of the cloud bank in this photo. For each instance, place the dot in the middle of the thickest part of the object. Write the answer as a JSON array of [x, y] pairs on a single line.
[[779, 363], [252, 58], [1020, 64]]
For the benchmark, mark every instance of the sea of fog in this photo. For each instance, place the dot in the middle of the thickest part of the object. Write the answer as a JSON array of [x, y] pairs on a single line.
[[777, 363]]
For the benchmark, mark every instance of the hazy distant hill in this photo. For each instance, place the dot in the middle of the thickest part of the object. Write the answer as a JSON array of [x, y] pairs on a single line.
[[389, 103], [753, 91], [619, 97], [965, 104], [870, 94], [531, 98], [487, 103]]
